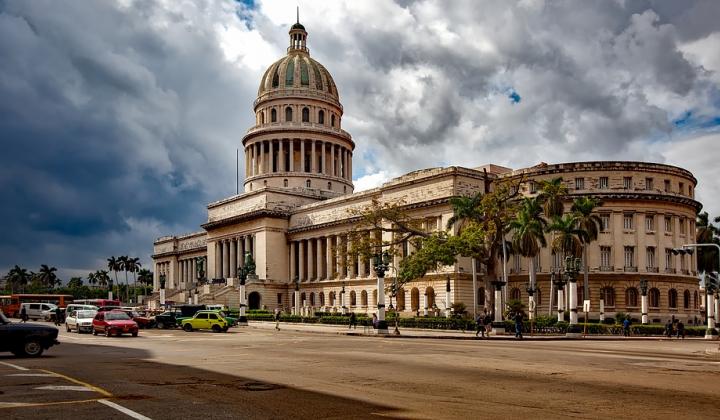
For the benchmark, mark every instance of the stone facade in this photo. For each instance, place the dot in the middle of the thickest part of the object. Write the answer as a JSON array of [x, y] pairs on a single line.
[[297, 209]]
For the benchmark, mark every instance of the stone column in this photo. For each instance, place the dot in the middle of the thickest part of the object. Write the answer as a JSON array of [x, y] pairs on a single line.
[[323, 164], [218, 259], [717, 310], [242, 318], [329, 263], [233, 257], [560, 304], [291, 156], [424, 302], [247, 247], [301, 260], [573, 303], [193, 271], [313, 158], [281, 155], [338, 253], [302, 155], [297, 302], [332, 159], [226, 259], [602, 310], [247, 162], [350, 261], [309, 260], [271, 159], [644, 307], [292, 261], [361, 266], [382, 325], [319, 259], [709, 304], [261, 157], [349, 165]]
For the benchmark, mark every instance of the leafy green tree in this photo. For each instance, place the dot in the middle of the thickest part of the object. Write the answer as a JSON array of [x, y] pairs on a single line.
[[528, 229], [75, 282]]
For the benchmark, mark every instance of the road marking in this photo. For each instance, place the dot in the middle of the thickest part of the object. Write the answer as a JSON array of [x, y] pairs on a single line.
[[85, 384], [66, 388], [31, 374], [14, 366], [21, 405], [124, 410]]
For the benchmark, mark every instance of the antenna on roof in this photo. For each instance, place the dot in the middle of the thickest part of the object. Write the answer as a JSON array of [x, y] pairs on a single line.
[[298, 14]]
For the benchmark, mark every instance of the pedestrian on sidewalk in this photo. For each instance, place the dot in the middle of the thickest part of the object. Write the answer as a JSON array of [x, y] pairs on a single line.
[[353, 321], [480, 325], [668, 329], [626, 327], [680, 330], [518, 325], [58, 316], [488, 323], [23, 313], [277, 319], [375, 322]]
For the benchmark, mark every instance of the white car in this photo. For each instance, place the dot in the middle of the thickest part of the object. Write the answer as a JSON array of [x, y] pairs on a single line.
[[35, 311], [80, 320]]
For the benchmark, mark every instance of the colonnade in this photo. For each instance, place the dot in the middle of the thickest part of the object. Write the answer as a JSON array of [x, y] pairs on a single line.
[[230, 253], [163, 269], [326, 258], [298, 155], [187, 272]]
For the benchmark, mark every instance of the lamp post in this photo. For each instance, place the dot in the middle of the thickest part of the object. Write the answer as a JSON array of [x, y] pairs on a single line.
[[343, 308], [644, 300], [711, 333], [572, 269], [381, 265], [242, 274], [448, 306], [200, 276], [559, 282], [497, 326], [162, 289], [531, 305], [297, 295]]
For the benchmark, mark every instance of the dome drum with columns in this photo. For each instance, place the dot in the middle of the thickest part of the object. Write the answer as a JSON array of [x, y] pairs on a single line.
[[297, 141]]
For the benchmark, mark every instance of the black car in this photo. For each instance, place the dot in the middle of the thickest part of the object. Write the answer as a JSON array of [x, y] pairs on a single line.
[[23, 339], [167, 319]]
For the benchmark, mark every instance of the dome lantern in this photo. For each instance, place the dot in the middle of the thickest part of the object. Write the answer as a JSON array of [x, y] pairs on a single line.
[[298, 36]]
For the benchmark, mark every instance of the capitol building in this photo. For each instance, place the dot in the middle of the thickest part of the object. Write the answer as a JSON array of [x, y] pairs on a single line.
[[295, 215]]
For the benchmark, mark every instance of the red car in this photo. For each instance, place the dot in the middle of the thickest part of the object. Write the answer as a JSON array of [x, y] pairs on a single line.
[[114, 322]]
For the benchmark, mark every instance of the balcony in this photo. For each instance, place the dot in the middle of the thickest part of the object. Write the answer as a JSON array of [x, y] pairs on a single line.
[[669, 271], [630, 269], [606, 268], [652, 269]]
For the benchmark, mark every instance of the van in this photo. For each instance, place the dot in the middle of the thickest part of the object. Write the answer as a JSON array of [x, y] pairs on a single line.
[[216, 307], [35, 311], [78, 307]]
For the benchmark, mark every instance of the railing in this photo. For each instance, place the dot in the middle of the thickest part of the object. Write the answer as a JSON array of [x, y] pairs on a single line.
[[652, 269], [606, 268], [631, 269]]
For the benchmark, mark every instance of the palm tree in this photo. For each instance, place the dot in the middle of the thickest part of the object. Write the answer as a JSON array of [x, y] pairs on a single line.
[[145, 277], [18, 277], [529, 235], [707, 233], [102, 278], [47, 276], [589, 222], [567, 235], [113, 264], [551, 195], [465, 210], [125, 266], [133, 265], [92, 279]]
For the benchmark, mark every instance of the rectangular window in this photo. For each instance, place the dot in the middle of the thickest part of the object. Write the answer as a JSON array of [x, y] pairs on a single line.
[[629, 256], [668, 258], [690, 191], [650, 255], [667, 185], [605, 223], [683, 263], [668, 224], [533, 187], [557, 261], [650, 223], [627, 182], [605, 257], [579, 183], [279, 298], [681, 188], [603, 184], [628, 222], [649, 184], [682, 224]]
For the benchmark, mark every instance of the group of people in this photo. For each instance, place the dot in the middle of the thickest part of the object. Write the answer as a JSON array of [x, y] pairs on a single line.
[[483, 324], [674, 327]]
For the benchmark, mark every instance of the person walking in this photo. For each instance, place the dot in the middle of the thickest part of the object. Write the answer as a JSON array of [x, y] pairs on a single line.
[[488, 323], [680, 330], [23, 313], [518, 324], [375, 321], [277, 319], [58, 316], [626, 327], [353, 321], [480, 325], [668, 329]]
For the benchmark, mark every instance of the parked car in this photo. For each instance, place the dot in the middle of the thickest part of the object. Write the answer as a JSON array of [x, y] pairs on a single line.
[[80, 320], [36, 311], [209, 320], [114, 322], [142, 321], [77, 307], [22, 339], [167, 319]]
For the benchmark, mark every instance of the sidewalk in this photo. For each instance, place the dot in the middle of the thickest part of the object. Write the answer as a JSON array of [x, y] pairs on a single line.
[[431, 334]]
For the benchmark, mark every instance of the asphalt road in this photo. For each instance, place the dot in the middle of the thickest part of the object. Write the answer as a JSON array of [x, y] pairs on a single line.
[[260, 373]]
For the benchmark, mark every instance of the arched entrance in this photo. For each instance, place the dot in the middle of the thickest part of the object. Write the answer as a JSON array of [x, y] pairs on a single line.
[[254, 300]]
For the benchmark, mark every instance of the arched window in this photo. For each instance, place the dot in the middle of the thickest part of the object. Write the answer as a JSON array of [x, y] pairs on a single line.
[[262, 117], [363, 298], [288, 114], [481, 296], [672, 298], [329, 185], [686, 299], [353, 298], [654, 298], [312, 298], [307, 183], [302, 298], [414, 299], [273, 115], [515, 294], [631, 297], [265, 183], [321, 297], [345, 188], [305, 115], [608, 295], [400, 299], [430, 297], [321, 117], [285, 182], [331, 298], [332, 120]]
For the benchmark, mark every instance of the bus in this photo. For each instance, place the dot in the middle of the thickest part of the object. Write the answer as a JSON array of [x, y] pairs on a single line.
[[98, 302], [10, 304]]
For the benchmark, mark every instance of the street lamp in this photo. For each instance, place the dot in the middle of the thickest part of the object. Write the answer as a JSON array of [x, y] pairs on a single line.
[[711, 333], [242, 274], [381, 264], [296, 280], [497, 326], [572, 269], [343, 307], [162, 289], [558, 281], [644, 300], [448, 306], [531, 302]]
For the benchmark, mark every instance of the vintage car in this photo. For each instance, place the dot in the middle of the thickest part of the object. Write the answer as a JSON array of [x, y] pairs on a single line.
[[167, 319], [114, 322], [209, 320], [80, 320], [142, 321], [22, 339]]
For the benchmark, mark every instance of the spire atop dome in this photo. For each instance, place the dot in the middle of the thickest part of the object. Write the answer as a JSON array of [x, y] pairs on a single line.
[[298, 36]]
